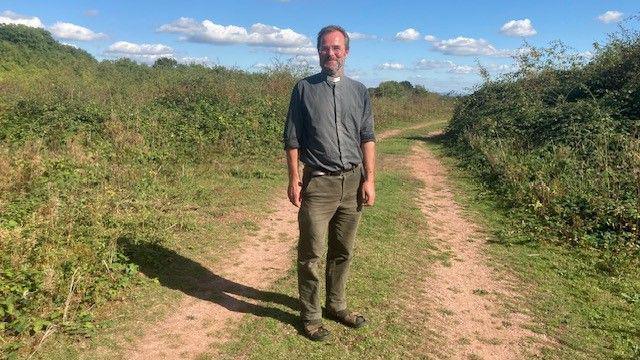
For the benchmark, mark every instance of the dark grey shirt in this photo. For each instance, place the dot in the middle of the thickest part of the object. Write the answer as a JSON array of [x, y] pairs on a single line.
[[328, 121]]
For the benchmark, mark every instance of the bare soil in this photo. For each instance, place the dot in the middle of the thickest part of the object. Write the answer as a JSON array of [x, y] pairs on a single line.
[[202, 321], [470, 304]]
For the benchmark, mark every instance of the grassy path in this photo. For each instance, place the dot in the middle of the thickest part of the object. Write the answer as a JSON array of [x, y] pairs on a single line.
[[426, 292], [430, 274], [425, 274], [226, 290]]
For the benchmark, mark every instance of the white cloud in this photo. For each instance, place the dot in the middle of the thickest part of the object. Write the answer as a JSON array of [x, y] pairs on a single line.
[[261, 66], [302, 50], [610, 16], [188, 60], [258, 35], [585, 55], [91, 12], [146, 53], [9, 17], [360, 36], [430, 38], [464, 46], [427, 64], [124, 47], [501, 68], [357, 74], [462, 69], [72, 45], [391, 66], [408, 35], [70, 31], [520, 28], [149, 53], [448, 65], [453, 68]]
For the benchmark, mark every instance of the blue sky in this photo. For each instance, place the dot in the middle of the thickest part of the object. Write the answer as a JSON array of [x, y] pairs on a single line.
[[435, 44]]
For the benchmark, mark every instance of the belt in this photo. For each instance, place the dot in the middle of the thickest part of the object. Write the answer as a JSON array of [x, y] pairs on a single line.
[[321, 172]]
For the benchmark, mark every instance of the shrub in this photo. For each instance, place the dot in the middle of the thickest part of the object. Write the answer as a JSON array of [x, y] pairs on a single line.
[[560, 141]]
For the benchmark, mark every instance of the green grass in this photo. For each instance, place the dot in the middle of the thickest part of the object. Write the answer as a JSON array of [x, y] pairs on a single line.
[[586, 312], [100, 157], [209, 210]]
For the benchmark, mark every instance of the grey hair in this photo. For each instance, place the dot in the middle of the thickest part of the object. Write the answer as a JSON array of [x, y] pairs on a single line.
[[330, 28]]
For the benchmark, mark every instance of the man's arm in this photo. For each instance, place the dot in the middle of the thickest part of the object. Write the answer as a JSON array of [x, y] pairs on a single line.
[[369, 162], [294, 191], [292, 134]]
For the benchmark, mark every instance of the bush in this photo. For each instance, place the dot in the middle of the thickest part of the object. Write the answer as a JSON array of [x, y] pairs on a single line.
[[560, 141]]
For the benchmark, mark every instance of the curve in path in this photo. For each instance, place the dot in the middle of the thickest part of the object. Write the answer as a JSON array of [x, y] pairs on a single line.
[[464, 298]]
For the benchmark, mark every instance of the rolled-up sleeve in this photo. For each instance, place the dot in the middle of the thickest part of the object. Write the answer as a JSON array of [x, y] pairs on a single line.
[[293, 125], [366, 129]]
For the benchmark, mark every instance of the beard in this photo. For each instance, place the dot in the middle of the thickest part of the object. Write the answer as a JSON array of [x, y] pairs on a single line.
[[332, 68]]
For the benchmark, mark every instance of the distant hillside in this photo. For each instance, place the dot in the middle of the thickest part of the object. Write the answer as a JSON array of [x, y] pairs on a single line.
[[25, 47]]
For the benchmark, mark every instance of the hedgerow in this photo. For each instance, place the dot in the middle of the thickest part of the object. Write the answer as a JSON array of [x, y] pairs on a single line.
[[559, 141]]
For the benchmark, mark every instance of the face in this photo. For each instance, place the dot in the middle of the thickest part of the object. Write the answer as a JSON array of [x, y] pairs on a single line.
[[333, 53]]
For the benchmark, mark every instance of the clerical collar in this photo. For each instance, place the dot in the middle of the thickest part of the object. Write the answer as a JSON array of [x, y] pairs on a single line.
[[332, 79]]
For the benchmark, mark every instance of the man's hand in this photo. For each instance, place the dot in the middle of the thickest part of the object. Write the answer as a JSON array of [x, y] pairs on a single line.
[[294, 192], [368, 193]]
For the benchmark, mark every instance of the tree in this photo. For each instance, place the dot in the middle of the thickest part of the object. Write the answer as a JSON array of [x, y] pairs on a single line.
[[165, 62], [406, 84], [391, 88]]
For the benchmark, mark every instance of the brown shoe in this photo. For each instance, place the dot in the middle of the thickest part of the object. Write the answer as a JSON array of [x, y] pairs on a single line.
[[315, 331], [346, 317]]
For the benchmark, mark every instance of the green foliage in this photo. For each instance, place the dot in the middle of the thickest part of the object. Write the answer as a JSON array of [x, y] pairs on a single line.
[[395, 89], [165, 62], [25, 47], [560, 141], [92, 152], [86, 151]]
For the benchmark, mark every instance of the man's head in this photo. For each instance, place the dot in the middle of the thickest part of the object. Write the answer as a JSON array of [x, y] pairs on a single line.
[[333, 48]]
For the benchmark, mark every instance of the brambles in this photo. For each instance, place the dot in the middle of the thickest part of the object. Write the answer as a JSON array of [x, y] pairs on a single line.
[[560, 141]]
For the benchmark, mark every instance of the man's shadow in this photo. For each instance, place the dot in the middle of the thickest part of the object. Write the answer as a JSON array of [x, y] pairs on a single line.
[[180, 273]]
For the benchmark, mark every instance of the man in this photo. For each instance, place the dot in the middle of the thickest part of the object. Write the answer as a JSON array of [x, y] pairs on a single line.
[[330, 129]]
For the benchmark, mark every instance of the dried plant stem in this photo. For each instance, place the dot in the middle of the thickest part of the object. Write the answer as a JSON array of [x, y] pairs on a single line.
[[67, 302], [46, 334]]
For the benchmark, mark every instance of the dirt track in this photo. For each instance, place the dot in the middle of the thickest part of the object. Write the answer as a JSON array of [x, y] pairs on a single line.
[[464, 299]]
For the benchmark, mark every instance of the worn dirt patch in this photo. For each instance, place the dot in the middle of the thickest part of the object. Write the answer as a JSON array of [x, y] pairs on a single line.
[[233, 289], [469, 307]]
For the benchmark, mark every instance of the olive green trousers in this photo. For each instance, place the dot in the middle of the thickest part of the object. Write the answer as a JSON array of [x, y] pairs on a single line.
[[330, 206]]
